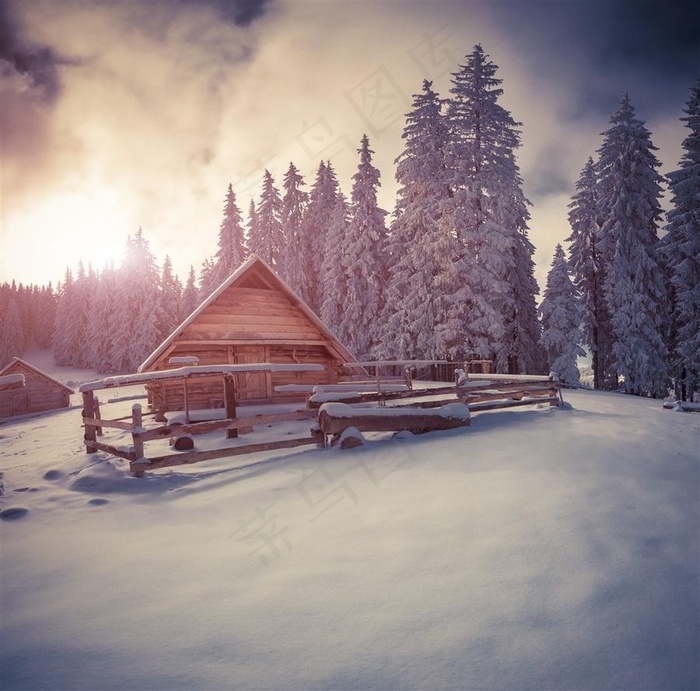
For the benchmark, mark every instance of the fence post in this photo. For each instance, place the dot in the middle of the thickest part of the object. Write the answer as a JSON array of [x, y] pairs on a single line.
[[137, 422], [230, 399], [89, 414]]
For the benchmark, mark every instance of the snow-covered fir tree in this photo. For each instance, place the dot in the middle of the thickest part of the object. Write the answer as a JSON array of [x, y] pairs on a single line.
[[63, 336], [13, 340], [207, 277], [334, 279], [231, 252], [136, 322], [489, 216], [628, 192], [681, 248], [589, 272], [293, 259], [265, 236], [363, 259], [414, 306], [561, 319], [323, 198], [102, 327], [169, 302], [190, 296]]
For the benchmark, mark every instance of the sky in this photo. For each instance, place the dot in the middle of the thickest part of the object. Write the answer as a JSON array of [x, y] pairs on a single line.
[[116, 115]]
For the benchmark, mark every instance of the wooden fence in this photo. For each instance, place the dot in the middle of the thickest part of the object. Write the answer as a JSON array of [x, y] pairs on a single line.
[[479, 392]]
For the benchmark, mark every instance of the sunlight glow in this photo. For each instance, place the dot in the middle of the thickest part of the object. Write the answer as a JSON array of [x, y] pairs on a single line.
[[89, 225]]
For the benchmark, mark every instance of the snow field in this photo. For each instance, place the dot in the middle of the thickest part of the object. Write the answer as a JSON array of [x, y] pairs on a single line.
[[539, 548]]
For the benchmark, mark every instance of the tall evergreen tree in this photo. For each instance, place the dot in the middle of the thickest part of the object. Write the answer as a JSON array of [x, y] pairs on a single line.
[[101, 327], [363, 260], [231, 252], [13, 341], [169, 302], [320, 210], [489, 215], [589, 272], [293, 259], [334, 279], [266, 237], [190, 296], [136, 323], [682, 252], [63, 338], [560, 312], [207, 277], [628, 192], [414, 306]]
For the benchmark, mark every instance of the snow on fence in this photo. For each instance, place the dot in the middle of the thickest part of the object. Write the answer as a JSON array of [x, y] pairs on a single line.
[[402, 407]]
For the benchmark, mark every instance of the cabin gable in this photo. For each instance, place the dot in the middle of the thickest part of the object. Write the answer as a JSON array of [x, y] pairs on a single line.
[[252, 317]]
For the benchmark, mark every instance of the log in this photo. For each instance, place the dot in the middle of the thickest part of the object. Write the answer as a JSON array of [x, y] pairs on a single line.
[[334, 418], [182, 443]]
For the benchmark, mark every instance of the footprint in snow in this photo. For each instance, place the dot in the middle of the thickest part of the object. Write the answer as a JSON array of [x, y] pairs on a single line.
[[13, 513]]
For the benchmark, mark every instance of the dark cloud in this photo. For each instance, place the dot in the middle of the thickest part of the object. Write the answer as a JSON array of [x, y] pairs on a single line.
[[37, 63], [243, 12], [603, 48]]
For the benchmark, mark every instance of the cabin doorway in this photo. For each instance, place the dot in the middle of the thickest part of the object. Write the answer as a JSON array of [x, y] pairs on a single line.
[[252, 385]]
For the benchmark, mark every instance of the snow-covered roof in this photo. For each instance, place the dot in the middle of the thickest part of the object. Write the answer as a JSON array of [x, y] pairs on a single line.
[[196, 371], [11, 381], [18, 361], [247, 265]]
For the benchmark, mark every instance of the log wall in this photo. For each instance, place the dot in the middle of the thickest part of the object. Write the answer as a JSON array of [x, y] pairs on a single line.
[[38, 394]]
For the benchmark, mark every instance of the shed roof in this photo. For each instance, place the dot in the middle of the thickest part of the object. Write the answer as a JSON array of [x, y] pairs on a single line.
[[8, 369], [254, 261]]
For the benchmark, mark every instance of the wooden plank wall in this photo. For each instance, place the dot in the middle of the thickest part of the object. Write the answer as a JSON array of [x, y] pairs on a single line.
[[39, 394], [246, 325]]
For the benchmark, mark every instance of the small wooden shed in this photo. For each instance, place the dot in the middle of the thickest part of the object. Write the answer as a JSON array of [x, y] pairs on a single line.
[[252, 317], [40, 391]]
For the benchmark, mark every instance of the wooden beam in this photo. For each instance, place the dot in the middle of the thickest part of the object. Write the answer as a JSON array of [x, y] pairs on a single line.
[[197, 456], [213, 425]]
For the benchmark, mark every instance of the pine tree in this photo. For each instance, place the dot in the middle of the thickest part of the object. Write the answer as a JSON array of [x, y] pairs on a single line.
[[293, 260], [169, 303], [681, 248], [46, 317], [414, 307], [320, 210], [13, 341], [628, 192], [363, 260], [62, 338], [135, 333], [266, 237], [190, 296], [232, 251], [102, 322], [207, 278], [560, 312], [489, 215], [334, 280], [589, 272]]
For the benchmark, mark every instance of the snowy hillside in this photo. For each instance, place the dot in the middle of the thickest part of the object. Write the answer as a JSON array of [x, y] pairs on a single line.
[[537, 549]]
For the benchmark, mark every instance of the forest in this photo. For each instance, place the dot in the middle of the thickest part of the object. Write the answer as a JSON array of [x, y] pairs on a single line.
[[449, 274]]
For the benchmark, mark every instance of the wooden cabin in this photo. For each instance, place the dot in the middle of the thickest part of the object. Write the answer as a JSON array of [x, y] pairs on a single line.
[[252, 317], [39, 393]]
